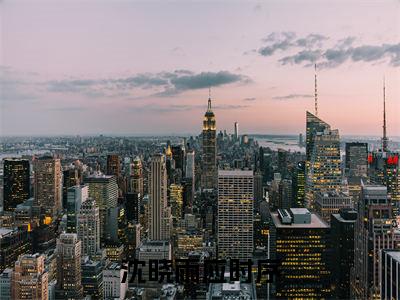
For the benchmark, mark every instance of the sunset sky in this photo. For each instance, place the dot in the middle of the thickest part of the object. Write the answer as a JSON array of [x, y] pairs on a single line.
[[129, 67]]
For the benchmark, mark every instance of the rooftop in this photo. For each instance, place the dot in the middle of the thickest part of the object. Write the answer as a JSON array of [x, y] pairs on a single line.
[[316, 222], [235, 172]]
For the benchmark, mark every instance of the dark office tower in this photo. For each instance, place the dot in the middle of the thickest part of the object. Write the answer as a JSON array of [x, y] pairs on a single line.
[[132, 205], [69, 285], [113, 165], [92, 279], [300, 241], [70, 179], [282, 162], [188, 194], [48, 185], [178, 154], [375, 230], [258, 189], [356, 159], [209, 172], [16, 182], [284, 194], [390, 274], [342, 241], [299, 182], [13, 242]]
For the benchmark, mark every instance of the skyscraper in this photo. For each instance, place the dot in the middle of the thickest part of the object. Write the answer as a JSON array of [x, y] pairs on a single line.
[[236, 131], [178, 154], [374, 231], [235, 213], [30, 279], [300, 241], [136, 177], [48, 185], [104, 190], [209, 172], [16, 182], [190, 164], [88, 227], [390, 272], [342, 242], [159, 212], [357, 159], [76, 195], [299, 182], [176, 202], [69, 285], [70, 178], [113, 165], [313, 125], [324, 173]]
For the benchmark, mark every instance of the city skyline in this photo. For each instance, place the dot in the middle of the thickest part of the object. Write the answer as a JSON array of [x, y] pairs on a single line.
[[145, 68]]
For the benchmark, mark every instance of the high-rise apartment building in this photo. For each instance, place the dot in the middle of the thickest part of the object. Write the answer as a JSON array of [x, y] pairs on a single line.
[[29, 278], [48, 185], [88, 227], [69, 278], [16, 182], [159, 212], [300, 241], [209, 167], [235, 213]]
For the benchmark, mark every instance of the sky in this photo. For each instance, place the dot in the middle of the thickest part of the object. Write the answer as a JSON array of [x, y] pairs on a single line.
[[137, 68]]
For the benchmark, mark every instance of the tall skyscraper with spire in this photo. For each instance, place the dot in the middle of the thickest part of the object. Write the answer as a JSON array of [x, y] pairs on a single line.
[[209, 174], [385, 139]]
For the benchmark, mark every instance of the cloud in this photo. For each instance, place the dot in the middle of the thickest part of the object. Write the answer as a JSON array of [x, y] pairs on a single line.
[[314, 48], [292, 96], [250, 99], [16, 86], [162, 84]]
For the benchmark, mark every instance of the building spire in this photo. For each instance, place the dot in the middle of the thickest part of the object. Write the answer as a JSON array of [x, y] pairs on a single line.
[[384, 138], [315, 90], [209, 99]]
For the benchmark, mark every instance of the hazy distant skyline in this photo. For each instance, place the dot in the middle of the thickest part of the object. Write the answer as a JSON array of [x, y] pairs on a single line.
[[127, 67]]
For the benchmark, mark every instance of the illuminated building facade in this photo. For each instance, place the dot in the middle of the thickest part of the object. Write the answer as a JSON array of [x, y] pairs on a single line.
[[88, 227], [384, 169], [375, 230], [48, 185], [235, 213], [69, 276], [299, 182], [176, 202], [327, 203], [300, 240], [16, 182], [209, 172], [313, 125], [159, 212], [324, 173], [136, 177], [29, 279]]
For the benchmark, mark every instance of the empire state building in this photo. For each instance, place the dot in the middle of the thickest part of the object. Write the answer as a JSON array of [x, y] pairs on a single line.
[[209, 172]]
